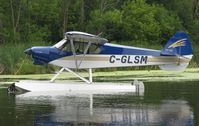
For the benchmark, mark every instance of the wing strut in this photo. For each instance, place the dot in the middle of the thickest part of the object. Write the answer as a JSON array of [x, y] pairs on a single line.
[[89, 81], [85, 51], [74, 52]]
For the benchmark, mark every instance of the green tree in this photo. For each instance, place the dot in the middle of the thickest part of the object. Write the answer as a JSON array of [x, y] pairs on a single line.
[[44, 15], [108, 23], [148, 23], [188, 12]]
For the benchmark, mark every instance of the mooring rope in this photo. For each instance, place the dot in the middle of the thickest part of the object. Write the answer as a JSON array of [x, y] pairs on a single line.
[[20, 65]]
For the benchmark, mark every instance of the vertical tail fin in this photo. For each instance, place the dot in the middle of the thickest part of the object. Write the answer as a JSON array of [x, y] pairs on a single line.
[[178, 45]]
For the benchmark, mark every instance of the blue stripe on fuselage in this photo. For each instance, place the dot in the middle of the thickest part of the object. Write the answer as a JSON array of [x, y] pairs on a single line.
[[109, 48]]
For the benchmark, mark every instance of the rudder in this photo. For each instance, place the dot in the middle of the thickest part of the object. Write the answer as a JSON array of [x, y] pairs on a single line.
[[178, 45]]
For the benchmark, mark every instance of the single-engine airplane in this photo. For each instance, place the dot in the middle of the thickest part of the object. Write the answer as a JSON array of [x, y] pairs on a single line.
[[79, 50]]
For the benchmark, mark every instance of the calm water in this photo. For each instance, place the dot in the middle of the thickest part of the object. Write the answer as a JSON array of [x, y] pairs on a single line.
[[175, 104]]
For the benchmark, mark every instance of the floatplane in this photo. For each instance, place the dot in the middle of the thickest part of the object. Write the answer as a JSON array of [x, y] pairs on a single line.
[[80, 50]]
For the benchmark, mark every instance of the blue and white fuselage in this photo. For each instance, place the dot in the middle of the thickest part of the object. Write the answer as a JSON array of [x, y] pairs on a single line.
[[82, 50]]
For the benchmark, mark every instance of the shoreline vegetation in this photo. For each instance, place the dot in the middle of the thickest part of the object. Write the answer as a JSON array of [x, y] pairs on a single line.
[[190, 74]]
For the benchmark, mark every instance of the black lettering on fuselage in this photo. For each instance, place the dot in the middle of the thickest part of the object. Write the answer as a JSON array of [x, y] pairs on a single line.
[[123, 59], [112, 59], [136, 59], [127, 59], [144, 59]]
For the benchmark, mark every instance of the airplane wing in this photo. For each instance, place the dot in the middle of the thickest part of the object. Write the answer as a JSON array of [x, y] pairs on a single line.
[[85, 37]]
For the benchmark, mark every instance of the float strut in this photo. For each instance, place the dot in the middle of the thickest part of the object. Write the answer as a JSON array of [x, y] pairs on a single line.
[[56, 75], [90, 75], [76, 74]]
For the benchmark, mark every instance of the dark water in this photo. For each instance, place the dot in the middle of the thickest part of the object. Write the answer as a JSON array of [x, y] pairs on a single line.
[[170, 104]]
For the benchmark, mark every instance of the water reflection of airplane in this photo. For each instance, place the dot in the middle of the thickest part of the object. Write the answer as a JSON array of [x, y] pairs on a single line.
[[91, 109], [80, 50]]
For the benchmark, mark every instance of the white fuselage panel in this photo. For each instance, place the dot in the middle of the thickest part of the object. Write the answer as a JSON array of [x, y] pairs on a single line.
[[102, 61]]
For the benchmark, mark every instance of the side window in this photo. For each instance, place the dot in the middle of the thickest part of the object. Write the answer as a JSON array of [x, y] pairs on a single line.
[[94, 49], [79, 47]]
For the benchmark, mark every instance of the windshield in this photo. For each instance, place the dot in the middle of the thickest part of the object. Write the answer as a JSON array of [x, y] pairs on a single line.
[[60, 44]]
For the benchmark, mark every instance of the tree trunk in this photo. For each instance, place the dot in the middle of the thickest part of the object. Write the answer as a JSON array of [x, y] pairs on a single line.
[[196, 9], [65, 15], [15, 18], [82, 16]]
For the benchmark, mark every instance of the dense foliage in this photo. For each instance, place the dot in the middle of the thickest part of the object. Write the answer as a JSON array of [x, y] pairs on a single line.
[[132, 22]]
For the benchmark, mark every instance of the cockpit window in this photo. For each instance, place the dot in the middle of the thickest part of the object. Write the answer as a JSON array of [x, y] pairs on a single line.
[[80, 47], [94, 49]]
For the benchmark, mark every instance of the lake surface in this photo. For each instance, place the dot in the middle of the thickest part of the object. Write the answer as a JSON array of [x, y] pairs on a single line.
[[170, 104]]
